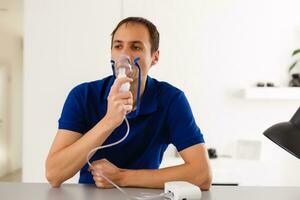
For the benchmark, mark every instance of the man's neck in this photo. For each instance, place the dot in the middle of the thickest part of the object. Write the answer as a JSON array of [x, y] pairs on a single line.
[[134, 88]]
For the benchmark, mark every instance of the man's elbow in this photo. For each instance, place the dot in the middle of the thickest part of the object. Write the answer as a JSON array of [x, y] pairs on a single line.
[[204, 180], [52, 179], [205, 186]]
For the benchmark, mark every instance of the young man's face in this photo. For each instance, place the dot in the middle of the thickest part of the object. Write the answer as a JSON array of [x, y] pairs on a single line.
[[133, 39]]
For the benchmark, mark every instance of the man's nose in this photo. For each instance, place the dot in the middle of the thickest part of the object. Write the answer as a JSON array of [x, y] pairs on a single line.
[[127, 51]]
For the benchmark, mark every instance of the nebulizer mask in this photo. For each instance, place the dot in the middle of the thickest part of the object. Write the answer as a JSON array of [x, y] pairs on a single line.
[[124, 67]]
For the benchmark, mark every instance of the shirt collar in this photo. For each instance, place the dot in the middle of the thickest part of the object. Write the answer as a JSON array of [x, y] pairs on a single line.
[[149, 99]]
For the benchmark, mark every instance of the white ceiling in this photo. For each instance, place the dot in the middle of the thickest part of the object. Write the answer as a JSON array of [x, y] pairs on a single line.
[[11, 16]]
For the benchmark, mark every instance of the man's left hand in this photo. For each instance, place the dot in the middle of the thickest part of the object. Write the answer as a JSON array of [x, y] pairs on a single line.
[[109, 170]]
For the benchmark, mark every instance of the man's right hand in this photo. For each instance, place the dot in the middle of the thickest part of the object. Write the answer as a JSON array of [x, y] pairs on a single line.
[[119, 103]]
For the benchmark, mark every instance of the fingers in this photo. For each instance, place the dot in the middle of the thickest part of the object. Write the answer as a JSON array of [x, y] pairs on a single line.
[[105, 185], [123, 108], [128, 108], [124, 95], [98, 169], [97, 175], [122, 99], [127, 101], [119, 103], [121, 95], [119, 82], [100, 181]]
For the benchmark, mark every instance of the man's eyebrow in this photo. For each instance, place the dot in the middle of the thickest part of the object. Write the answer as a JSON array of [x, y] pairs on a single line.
[[137, 41], [117, 41], [133, 42]]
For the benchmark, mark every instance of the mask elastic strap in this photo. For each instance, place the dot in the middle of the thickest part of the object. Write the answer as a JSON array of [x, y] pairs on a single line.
[[113, 63]]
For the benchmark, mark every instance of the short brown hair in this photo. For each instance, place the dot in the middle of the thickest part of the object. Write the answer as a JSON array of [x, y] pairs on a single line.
[[153, 33]]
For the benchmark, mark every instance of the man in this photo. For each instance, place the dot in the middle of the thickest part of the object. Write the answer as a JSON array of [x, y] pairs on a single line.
[[94, 112]]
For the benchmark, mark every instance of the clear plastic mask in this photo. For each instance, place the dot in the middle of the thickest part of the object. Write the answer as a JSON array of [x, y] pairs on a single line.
[[123, 66]]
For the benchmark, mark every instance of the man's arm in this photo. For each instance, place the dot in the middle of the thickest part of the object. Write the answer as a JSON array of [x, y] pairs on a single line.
[[195, 170], [69, 150]]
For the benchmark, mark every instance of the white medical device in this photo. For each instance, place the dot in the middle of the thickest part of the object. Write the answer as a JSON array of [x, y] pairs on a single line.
[[181, 190], [123, 69]]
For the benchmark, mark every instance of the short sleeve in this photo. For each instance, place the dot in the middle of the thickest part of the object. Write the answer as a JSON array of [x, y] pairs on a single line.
[[72, 117], [184, 131]]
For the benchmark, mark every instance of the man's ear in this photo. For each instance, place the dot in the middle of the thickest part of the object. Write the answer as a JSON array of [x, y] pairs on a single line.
[[155, 57]]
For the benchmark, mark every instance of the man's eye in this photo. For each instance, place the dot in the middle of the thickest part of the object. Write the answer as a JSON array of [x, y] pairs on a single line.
[[137, 48], [117, 46]]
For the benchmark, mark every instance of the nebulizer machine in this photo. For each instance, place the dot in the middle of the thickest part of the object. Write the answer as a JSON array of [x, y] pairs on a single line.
[[123, 67]]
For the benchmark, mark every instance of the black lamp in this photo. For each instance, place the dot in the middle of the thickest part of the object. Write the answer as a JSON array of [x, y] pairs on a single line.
[[287, 134]]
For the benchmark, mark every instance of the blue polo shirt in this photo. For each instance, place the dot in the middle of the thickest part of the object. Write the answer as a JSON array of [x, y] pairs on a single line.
[[165, 118]]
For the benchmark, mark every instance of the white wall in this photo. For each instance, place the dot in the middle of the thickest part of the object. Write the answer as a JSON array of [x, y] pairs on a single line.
[[211, 49], [11, 61], [65, 43]]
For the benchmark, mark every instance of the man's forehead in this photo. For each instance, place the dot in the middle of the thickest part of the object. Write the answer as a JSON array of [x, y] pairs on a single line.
[[132, 32]]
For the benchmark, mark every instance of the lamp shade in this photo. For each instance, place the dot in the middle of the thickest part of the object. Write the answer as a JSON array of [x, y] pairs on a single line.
[[287, 134]]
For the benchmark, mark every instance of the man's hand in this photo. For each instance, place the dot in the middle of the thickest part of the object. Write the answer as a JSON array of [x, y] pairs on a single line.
[[109, 170], [119, 103]]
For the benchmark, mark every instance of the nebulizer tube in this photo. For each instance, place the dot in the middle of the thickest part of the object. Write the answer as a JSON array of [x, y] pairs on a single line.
[[123, 68]]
